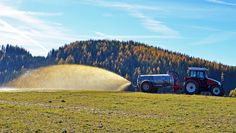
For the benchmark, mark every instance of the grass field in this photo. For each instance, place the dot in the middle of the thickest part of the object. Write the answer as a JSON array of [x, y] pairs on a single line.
[[86, 111]]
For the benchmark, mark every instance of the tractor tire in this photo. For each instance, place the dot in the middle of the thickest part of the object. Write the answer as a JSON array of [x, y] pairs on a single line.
[[217, 91], [146, 87], [191, 87]]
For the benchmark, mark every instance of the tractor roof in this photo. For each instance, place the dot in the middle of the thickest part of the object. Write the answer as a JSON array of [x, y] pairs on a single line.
[[197, 69]]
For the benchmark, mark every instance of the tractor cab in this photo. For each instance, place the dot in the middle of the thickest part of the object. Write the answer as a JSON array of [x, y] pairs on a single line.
[[197, 81], [194, 72], [199, 75]]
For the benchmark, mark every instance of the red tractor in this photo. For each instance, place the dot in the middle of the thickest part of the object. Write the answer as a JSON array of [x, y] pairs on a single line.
[[194, 83], [198, 81]]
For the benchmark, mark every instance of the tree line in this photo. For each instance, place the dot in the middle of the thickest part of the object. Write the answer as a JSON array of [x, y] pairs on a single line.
[[126, 58]]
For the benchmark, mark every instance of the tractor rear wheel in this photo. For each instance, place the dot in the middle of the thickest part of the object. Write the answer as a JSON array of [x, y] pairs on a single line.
[[217, 91], [191, 87]]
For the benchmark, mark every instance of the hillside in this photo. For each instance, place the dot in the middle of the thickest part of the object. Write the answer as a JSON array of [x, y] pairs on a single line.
[[127, 59], [115, 112], [69, 77]]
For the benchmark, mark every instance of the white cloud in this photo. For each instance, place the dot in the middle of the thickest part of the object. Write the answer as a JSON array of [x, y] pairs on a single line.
[[222, 2], [137, 12], [24, 28], [154, 25], [10, 11], [122, 5], [16, 33]]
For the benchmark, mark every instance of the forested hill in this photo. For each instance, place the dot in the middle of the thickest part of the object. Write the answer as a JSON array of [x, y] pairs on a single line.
[[130, 59], [15, 60]]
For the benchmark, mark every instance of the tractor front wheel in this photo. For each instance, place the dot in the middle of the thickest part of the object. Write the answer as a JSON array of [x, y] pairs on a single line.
[[217, 91]]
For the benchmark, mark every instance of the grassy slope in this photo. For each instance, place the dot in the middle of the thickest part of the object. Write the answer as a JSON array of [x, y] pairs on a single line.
[[115, 112], [70, 77]]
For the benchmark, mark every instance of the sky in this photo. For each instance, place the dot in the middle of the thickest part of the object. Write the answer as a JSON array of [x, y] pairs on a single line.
[[199, 28]]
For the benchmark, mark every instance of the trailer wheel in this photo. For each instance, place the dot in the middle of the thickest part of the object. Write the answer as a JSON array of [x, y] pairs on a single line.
[[217, 91], [191, 87], [146, 87]]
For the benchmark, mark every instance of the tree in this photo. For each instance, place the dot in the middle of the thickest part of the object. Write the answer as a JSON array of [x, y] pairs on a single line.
[[70, 60], [61, 61]]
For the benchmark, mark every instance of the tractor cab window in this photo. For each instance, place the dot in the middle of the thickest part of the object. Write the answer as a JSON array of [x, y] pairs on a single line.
[[192, 74], [200, 74], [197, 74]]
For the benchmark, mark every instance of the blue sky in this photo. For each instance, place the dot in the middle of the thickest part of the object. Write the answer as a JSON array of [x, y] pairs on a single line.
[[200, 28]]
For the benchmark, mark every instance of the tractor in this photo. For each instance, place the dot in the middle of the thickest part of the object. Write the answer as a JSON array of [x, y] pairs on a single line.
[[195, 82], [198, 81]]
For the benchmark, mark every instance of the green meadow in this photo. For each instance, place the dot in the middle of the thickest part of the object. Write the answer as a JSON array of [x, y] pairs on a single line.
[[89, 111]]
